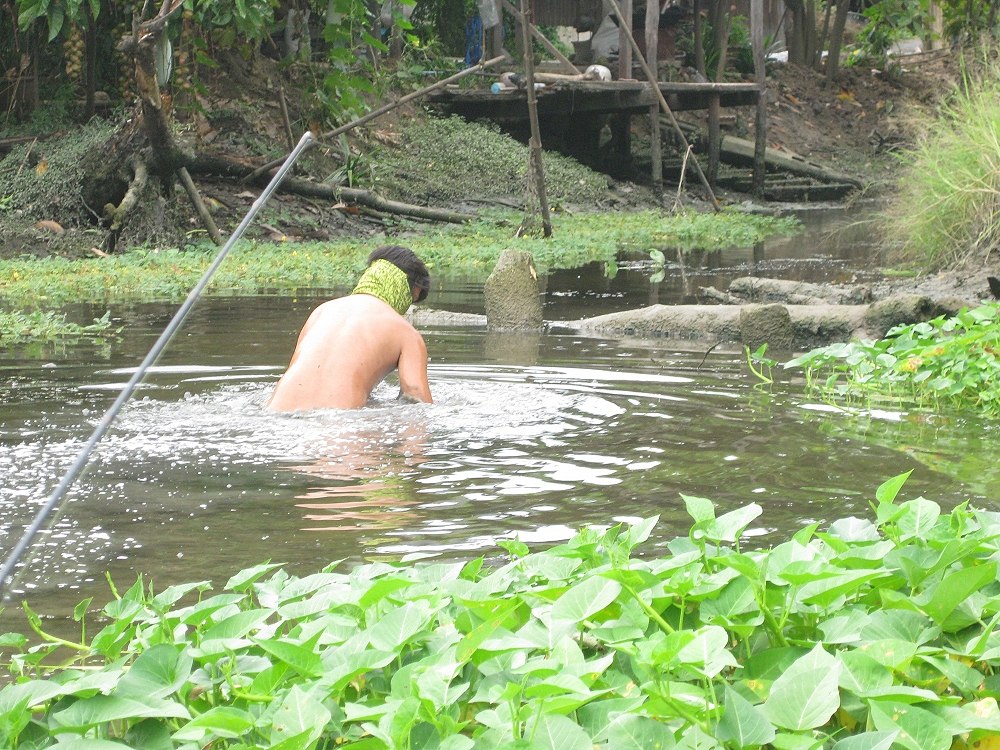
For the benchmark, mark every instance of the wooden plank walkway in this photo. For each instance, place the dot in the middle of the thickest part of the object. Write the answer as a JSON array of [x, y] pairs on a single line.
[[590, 97]]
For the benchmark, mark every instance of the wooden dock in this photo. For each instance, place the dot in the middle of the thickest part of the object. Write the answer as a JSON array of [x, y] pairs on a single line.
[[566, 99]]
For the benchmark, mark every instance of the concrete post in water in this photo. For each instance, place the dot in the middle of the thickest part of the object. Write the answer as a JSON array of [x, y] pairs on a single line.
[[766, 324], [511, 294]]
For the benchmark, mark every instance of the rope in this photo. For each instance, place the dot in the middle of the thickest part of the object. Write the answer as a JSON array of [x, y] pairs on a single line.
[[52, 504]]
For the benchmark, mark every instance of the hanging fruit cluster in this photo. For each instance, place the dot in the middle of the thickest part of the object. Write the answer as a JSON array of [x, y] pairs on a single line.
[[73, 49]]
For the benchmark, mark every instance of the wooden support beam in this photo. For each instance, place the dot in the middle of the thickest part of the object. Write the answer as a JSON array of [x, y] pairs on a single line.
[[652, 57], [666, 108], [624, 34], [714, 137]]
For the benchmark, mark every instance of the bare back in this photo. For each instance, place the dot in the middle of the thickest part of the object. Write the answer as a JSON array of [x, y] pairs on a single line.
[[346, 347]]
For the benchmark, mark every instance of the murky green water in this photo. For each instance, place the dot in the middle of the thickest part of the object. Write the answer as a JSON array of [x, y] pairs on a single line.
[[530, 436]]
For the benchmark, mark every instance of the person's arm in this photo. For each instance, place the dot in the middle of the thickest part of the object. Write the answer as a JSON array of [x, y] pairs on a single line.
[[413, 383]]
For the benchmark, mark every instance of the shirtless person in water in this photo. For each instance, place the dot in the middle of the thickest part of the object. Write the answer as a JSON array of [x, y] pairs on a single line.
[[349, 344]]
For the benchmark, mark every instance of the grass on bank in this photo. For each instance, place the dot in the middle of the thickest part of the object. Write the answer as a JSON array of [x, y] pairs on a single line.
[[946, 209], [469, 250], [868, 634], [948, 362]]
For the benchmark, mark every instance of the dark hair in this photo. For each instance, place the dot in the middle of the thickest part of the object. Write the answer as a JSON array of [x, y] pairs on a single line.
[[407, 261]]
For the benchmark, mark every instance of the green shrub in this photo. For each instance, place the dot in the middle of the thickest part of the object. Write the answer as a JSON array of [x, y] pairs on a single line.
[[946, 362], [867, 634], [946, 209]]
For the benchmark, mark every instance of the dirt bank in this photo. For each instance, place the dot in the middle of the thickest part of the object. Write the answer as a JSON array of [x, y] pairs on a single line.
[[853, 126]]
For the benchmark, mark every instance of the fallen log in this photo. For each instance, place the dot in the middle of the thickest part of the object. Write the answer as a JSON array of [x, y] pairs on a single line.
[[232, 169], [372, 200]]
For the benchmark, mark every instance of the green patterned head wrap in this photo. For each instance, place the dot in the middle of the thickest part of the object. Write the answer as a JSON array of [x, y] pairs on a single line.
[[388, 282]]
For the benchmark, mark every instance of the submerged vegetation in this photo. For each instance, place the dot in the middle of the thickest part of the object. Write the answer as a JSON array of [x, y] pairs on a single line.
[[946, 362], [458, 250], [867, 634], [947, 206]]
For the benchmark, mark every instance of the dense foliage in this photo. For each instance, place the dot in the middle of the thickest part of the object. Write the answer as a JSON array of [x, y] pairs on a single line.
[[456, 250], [946, 208], [946, 362], [868, 634]]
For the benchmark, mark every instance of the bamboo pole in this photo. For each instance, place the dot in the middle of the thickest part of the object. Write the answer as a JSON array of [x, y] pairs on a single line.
[[537, 168], [383, 109], [666, 108]]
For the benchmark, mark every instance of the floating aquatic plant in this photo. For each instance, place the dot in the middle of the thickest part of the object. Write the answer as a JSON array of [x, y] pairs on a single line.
[[951, 362], [468, 250], [869, 634], [39, 326]]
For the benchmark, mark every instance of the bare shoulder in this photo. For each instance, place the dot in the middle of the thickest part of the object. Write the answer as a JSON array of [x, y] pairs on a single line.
[[410, 331]]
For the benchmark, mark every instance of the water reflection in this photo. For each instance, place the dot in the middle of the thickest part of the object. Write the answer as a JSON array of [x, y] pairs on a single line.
[[371, 466]]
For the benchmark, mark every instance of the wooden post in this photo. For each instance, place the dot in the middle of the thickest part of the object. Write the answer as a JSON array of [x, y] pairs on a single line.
[[760, 76], [714, 136], [621, 140], [537, 168], [652, 57], [667, 111], [624, 34]]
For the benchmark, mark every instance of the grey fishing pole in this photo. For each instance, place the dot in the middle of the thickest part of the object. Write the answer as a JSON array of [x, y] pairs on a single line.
[[55, 499]]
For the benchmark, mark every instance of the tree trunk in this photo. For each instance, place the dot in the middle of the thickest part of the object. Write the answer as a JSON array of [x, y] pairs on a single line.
[[699, 42], [89, 64], [164, 156], [822, 39], [720, 38], [793, 39], [836, 40], [809, 31]]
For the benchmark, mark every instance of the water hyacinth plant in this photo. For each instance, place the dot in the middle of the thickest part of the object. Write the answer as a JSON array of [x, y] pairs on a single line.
[[19, 327], [868, 635], [946, 362]]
